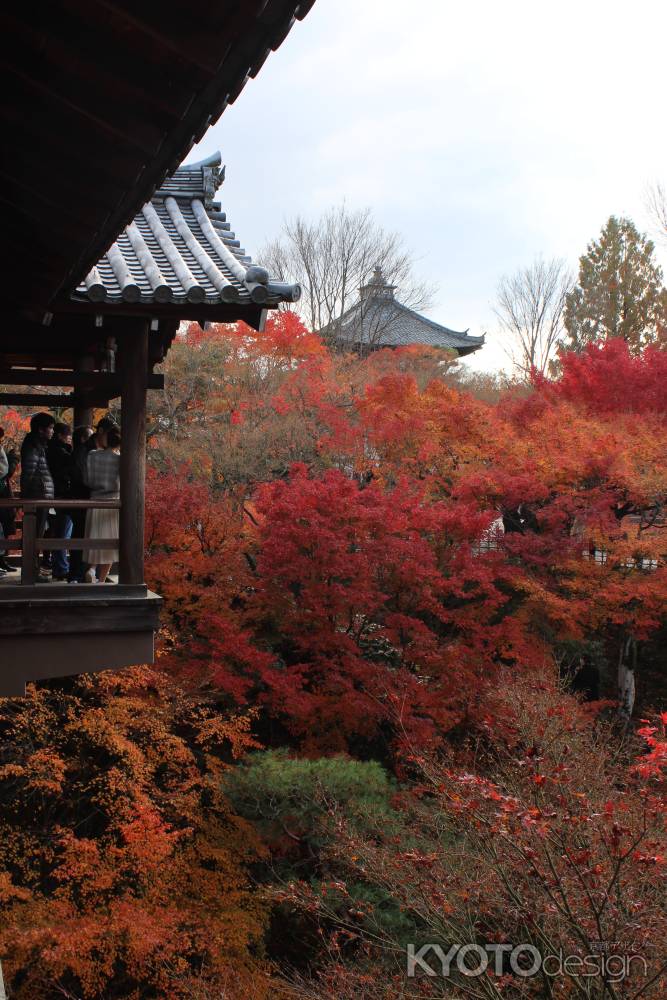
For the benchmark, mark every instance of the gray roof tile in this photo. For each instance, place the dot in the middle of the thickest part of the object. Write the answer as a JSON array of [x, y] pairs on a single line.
[[180, 248], [379, 320]]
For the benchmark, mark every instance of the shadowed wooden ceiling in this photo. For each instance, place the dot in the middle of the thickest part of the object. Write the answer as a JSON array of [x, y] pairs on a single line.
[[100, 102]]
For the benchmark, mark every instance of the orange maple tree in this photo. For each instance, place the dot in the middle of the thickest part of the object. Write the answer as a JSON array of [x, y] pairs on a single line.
[[122, 868], [377, 563]]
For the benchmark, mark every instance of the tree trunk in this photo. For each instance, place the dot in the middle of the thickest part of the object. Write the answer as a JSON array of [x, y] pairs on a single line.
[[627, 663]]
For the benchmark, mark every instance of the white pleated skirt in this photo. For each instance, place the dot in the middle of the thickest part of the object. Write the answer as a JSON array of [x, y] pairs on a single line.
[[101, 524]]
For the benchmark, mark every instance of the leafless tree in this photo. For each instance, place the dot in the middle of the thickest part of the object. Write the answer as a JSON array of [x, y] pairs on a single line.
[[656, 207], [529, 306], [333, 257]]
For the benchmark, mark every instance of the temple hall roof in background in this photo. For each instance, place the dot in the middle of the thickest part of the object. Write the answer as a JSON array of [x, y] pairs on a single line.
[[378, 319]]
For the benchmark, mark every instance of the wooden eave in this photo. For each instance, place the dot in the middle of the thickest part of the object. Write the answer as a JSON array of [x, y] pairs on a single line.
[[102, 100], [60, 345]]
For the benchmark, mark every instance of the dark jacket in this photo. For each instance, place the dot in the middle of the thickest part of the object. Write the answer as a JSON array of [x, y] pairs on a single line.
[[7, 514], [80, 490], [61, 464], [36, 478]]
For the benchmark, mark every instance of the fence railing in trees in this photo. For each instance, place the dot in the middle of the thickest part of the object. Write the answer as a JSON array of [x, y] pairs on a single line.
[[29, 544]]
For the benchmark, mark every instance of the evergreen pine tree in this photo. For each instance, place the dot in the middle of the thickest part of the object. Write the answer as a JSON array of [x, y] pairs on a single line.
[[619, 292]]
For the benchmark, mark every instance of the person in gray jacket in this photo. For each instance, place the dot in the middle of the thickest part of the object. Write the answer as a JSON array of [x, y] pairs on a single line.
[[36, 478]]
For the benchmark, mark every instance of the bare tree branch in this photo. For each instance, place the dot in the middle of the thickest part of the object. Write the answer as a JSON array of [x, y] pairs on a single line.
[[333, 257], [655, 200], [529, 307]]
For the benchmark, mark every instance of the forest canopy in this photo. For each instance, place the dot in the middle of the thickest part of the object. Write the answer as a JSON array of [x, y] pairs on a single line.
[[385, 709]]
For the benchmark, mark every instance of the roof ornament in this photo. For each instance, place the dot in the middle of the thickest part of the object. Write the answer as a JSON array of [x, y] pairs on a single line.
[[213, 179], [212, 170], [377, 287]]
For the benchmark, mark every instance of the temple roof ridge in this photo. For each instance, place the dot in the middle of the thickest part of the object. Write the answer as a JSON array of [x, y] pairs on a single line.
[[379, 319], [471, 337], [180, 248]]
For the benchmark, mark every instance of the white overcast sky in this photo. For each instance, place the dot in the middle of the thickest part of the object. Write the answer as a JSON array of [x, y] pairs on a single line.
[[484, 132]]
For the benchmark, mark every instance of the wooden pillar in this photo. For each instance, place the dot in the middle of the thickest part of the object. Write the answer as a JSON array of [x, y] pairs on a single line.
[[134, 365], [29, 548], [83, 415]]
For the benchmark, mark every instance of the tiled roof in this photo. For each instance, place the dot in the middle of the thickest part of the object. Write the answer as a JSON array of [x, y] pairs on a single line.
[[180, 249], [390, 324], [379, 320]]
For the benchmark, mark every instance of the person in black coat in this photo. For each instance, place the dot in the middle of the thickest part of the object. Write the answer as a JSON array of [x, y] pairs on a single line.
[[8, 462], [36, 478], [61, 464]]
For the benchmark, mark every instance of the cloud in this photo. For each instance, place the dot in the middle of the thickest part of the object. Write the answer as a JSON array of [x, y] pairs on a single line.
[[486, 133]]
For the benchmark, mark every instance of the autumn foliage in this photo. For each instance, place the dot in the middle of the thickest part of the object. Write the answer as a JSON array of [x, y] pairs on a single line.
[[121, 865], [387, 587], [371, 591], [548, 839]]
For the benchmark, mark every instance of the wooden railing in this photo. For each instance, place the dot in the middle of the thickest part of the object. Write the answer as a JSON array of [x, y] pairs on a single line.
[[30, 544]]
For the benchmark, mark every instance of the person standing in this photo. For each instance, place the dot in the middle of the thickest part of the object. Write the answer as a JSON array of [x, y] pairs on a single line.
[[36, 478], [61, 463], [103, 478], [4, 461], [4, 471], [99, 438], [8, 463]]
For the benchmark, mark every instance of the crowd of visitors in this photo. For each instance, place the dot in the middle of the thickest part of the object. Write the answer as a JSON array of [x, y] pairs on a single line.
[[57, 463], [8, 462]]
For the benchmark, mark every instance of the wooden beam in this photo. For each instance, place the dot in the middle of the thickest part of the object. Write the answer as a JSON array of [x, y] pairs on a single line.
[[36, 399], [47, 610], [62, 504], [107, 382], [83, 411], [179, 42], [29, 547], [89, 61], [55, 544], [51, 93], [133, 358], [222, 312], [33, 376], [14, 597]]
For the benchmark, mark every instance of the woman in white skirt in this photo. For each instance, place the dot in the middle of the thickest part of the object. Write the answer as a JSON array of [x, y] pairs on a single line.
[[103, 477]]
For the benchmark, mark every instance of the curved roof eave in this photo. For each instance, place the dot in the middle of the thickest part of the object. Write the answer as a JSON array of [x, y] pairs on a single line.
[[179, 252]]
